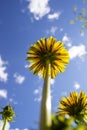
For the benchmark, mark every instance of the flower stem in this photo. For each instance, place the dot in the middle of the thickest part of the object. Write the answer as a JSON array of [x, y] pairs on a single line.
[[4, 125], [45, 119]]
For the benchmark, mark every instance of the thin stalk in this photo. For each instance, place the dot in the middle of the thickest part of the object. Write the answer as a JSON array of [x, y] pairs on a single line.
[[45, 117], [4, 125]]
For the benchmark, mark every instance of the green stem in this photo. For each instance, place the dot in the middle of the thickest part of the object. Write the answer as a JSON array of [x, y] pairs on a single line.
[[45, 119], [4, 125]]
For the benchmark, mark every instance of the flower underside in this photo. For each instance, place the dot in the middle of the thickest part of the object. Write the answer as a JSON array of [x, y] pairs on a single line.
[[75, 105], [48, 50], [8, 113]]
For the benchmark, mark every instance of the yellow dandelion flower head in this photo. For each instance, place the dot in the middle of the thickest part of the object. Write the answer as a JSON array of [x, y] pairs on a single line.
[[74, 105], [48, 50], [8, 113]]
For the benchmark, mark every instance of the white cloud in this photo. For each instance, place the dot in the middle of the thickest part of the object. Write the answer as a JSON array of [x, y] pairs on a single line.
[[20, 129], [77, 51], [19, 78], [67, 40], [3, 93], [55, 15], [76, 85], [23, 11], [38, 99], [64, 93], [39, 8], [3, 74], [7, 125], [82, 33], [13, 101], [27, 65], [52, 81], [53, 30], [61, 29], [38, 93], [16, 129]]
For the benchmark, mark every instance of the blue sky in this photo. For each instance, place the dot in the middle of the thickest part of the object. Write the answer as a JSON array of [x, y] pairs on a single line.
[[23, 22]]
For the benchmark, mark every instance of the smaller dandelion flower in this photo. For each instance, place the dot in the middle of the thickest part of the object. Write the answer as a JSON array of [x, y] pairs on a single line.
[[75, 105], [7, 115]]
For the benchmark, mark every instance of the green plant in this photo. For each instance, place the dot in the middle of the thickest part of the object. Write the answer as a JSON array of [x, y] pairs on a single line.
[[48, 57]]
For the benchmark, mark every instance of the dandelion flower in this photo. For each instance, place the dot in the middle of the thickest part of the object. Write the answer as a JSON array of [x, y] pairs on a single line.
[[75, 105], [48, 50], [7, 115], [48, 57]]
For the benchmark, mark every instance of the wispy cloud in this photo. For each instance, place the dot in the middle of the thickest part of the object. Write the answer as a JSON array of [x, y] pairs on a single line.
[[77, 51], [19, 129], [39, 8], [61, 29], [15, 129], [19, 78], [52, 81], [3, 93], [3, 73], [52, 30], [53, 16], [23, 11], [27, 65], [76, 85], [64, 93], [67, 40], [82, 33], [74, 51], [37, 93], [7, 125], [13, 101]]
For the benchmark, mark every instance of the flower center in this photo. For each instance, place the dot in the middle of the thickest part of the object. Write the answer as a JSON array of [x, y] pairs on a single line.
[[45, 57]]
